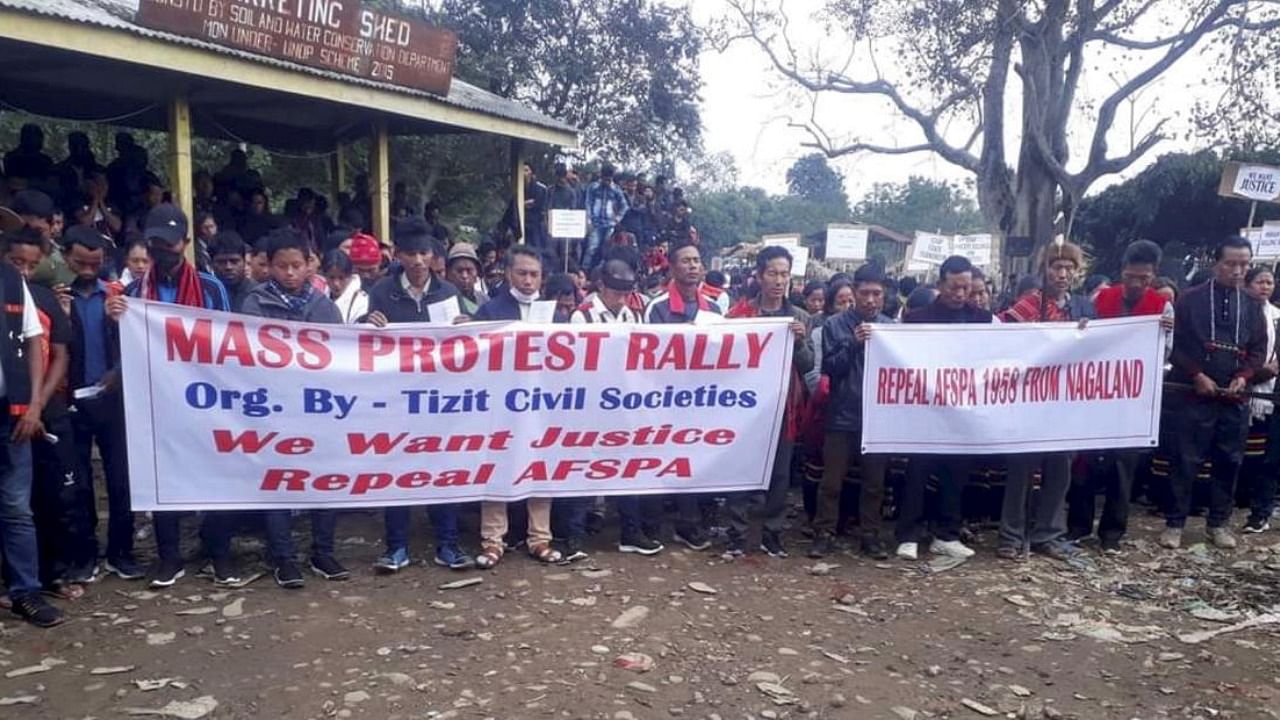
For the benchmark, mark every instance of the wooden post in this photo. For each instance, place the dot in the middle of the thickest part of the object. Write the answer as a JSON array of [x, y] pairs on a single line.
[[337, 172], [517, 183], [1253, 210], [380, 181], [180, 173]]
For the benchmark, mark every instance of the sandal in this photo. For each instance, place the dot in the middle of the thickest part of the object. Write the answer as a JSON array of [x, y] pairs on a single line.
[[65, 591], [489, 557], [544, 553]]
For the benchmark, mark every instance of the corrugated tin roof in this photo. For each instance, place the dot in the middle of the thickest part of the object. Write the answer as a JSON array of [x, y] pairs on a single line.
[[119, 15]]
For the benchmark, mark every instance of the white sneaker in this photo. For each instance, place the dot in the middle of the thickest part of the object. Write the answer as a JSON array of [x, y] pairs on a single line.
[[950, 548], [909, 551]]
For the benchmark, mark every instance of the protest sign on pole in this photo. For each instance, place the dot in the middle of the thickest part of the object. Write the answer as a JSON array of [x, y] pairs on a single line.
[[1259, 183], [799, 261], [928, 251], [847, 242], [568, 223], [788, 241], [977, 248], [233, 412], [1013, 388], [1267, 246]]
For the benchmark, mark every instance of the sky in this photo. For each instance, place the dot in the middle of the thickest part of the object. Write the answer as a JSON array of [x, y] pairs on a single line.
[[746, 108]]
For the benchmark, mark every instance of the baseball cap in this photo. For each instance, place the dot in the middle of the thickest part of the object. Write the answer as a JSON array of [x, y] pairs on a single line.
[[365, 249], [33, 202], [166, 222], [463, 251], [617, 275]]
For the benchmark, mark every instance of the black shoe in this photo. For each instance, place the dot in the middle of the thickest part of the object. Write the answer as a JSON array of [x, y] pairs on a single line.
[[166, 572], [81, 574], [124, 568], [639, 543], [1077, 534], [226, 573], [288, 575], [36, 611], [329, 568], [821, 546], [693, 538], [1255, 526], [736, 547], [571, 551], [1059, 550], [874, 549], [1110, 546], [771, 543]]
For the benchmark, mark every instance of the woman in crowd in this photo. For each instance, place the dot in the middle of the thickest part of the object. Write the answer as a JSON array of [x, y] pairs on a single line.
[[345, 287], [1262, 449]]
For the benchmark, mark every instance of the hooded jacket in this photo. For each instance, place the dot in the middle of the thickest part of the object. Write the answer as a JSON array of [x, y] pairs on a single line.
[[264, 302]]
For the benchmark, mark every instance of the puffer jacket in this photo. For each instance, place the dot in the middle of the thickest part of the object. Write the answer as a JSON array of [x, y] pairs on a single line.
[[843, 361]]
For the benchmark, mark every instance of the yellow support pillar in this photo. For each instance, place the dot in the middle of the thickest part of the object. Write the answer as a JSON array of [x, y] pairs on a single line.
[[181, 176], [337, 172], [380, 181], [517, 182]]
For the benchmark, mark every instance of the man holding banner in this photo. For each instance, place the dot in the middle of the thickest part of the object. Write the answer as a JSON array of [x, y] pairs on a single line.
[[1058, 265], [1219, 347]]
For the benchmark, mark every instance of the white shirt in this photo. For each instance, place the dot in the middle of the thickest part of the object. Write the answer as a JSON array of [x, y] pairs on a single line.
[[598, 312], [30, 328]]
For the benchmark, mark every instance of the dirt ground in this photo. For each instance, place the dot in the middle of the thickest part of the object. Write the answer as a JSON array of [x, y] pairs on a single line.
[[757, 638]]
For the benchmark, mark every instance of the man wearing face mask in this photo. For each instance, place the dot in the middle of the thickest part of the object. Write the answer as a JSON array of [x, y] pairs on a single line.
[[1046, 533], [172, 279], [1219, 348], [524, 287]]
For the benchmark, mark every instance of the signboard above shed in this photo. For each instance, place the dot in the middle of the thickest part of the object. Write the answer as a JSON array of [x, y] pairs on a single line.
[[339, 35]]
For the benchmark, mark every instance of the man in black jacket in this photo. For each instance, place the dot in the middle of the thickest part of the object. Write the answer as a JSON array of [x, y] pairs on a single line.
[[524, 287], [229, 261], [1219, 347], [955, 279], [405, 296], [844, 358]]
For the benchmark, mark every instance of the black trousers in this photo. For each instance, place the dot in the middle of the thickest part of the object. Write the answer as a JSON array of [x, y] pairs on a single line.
[[1114, 476], [101, 421], [1214, 430], [952, 472], [62, 503]]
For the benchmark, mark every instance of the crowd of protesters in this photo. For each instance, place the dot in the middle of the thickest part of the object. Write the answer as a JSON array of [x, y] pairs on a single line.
[[66, 284]]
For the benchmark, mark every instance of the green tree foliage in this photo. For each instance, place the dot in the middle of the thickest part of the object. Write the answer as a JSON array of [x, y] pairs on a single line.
[[1174, 203], [812, 178], [921, 204], [623, 71]]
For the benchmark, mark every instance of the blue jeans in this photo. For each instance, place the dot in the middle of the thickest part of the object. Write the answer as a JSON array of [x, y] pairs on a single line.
[[598, 237], [574, 511], [215, 534], [639, 513], [444, 519], [17, 528], [279, 523]]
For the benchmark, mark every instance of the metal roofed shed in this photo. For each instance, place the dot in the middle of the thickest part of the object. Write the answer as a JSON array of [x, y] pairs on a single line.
[[94, 59]]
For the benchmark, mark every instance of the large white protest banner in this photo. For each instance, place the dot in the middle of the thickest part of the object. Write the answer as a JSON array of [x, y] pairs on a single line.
[[847, 242], [1013, 388], [232, 412]]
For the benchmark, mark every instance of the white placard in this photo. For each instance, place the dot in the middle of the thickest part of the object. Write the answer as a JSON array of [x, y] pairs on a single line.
[[1257, 182], [977, 248], [445, 311], [1013, 387], [568, 223], [799, 261], [1266, 241], [788, 241], [930, 250], [847, 242], [233, 412], [542, 311]]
